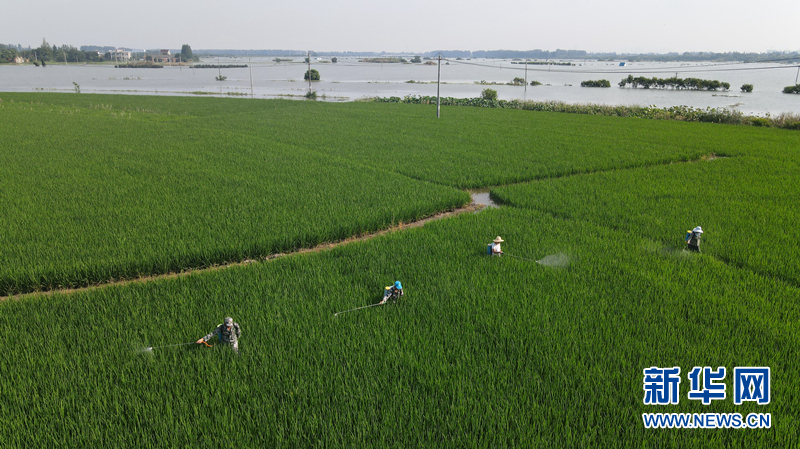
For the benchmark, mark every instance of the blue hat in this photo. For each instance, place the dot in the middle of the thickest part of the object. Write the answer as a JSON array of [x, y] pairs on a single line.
[[398, 285]]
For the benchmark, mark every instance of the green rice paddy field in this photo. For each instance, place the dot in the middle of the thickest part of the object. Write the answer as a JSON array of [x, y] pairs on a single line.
[[481, 352]]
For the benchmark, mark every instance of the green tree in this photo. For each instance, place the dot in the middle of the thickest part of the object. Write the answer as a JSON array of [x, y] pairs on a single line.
[[598, 83], [792, 89], [314, 75], [45, 52], [8, 54], [416, 59], [489, 94], [186, 53], [747, 87], [334, 60]]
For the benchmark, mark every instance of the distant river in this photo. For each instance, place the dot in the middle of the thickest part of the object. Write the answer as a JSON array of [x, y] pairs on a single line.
[[349, 80]]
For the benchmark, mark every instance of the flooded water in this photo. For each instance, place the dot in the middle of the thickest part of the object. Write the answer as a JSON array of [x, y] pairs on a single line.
[[481, 196], [349, 80]]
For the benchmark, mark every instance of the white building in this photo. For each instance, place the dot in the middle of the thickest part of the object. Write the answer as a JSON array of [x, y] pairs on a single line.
[[120, 55]]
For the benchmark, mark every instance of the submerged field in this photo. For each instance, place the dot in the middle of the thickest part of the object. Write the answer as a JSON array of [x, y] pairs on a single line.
[[482, 352]]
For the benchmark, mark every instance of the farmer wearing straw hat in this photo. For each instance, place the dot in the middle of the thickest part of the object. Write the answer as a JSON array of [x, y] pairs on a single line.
[[496, 250], [693, 239], [228, 333], [393, 292]]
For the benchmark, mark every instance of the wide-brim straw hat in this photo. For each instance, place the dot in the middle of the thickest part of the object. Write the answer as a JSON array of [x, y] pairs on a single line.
[[698, 230], [498, 240]]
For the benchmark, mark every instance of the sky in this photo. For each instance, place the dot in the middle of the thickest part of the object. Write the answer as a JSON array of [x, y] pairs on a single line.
[[410, 26]]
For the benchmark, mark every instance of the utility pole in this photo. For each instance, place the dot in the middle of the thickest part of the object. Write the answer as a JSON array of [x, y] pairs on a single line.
[[526, 78], [438, 81], [309, 71], [250, 64]]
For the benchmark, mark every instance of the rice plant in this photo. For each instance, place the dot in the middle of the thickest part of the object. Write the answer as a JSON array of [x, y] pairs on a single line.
[[747, 205], [482, 351]]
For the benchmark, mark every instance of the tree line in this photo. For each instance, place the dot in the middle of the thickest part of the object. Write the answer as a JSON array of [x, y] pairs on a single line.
[[47, 52], [634, 57], [68, 53], [674, 83]]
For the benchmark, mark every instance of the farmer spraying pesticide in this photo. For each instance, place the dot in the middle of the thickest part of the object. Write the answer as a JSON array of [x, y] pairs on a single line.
[[557, 260], [494, 248], [393, 292], [228, 333], [693, 239]]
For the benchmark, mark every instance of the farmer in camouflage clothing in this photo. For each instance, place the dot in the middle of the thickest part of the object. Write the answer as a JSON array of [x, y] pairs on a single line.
[[228, 334]]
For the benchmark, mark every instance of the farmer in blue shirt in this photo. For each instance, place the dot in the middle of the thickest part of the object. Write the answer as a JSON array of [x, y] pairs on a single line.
[[393, 292]]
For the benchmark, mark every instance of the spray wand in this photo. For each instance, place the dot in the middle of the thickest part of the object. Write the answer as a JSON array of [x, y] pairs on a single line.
[[529, 260], [150, 349]]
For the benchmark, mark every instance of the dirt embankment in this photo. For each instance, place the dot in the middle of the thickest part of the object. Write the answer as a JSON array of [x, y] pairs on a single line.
[[321, 247]]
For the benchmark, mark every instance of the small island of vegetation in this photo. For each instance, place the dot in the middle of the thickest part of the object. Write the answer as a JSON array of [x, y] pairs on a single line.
[[220, 66], [598, 83], [543, 63], [792, 89], [673, 83], [139, 65], [387, 60]]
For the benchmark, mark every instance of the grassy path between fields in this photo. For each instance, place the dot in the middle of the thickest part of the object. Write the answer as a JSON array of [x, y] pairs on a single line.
[[321, 247]]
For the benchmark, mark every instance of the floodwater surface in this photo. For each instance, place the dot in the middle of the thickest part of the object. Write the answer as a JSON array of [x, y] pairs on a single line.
[[481, 196], [350, 79]]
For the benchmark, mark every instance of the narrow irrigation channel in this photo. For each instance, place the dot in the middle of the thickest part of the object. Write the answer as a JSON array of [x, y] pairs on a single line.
[[474, 207]]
